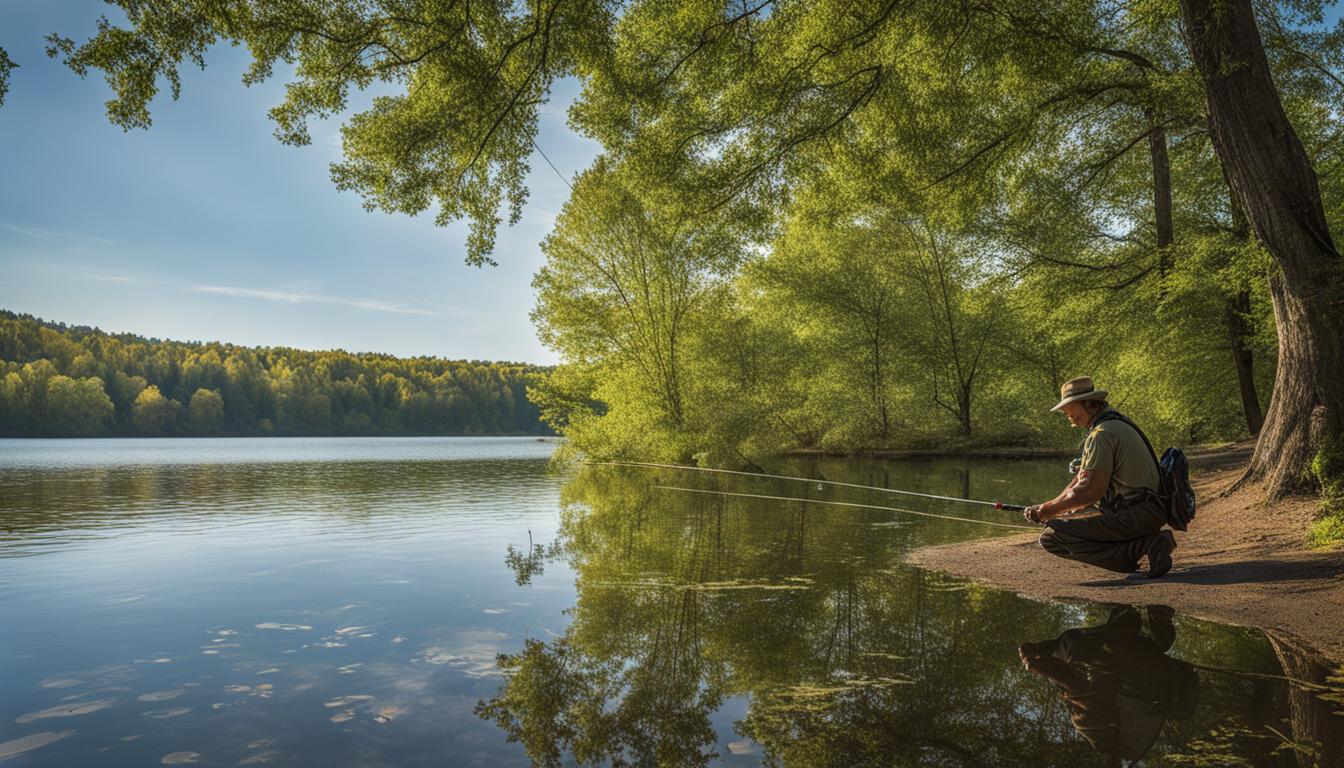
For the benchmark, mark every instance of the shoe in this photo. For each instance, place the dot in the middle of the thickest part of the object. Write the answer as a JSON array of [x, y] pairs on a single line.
[[1159, 555]]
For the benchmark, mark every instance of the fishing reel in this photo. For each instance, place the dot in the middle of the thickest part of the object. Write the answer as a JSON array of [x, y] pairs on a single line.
[[1075, 466]]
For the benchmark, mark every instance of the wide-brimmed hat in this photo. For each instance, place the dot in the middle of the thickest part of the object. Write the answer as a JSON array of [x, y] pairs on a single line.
[[1078, 389]]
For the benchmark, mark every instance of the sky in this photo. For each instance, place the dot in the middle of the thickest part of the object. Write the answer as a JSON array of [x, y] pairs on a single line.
[[207, 228]]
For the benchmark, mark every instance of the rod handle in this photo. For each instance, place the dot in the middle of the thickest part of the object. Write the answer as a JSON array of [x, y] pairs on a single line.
[[1009, 507]]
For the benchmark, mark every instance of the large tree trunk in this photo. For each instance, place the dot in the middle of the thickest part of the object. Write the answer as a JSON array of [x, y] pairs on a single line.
[[1276, 186]]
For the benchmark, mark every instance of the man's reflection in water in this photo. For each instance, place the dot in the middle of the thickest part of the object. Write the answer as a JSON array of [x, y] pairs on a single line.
[[1119, 683]]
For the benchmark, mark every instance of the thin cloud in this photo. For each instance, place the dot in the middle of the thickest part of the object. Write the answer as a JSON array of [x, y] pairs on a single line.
[[290, 297], [56, 237]]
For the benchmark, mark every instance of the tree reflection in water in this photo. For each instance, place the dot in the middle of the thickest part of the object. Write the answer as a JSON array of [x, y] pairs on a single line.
[[844, 655]]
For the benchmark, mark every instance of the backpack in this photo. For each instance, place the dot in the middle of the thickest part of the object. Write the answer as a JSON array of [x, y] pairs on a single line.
[[1173, 473]]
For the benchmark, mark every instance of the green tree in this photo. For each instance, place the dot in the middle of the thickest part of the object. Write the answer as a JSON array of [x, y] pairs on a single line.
[[78, 408], [840, 283], [620, 292], [205, 412], [124, 389], [155, 415]]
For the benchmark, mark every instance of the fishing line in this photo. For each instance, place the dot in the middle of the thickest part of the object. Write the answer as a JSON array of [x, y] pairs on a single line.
[[537, 146], [994, 504], [1317, 687], [847, 504]]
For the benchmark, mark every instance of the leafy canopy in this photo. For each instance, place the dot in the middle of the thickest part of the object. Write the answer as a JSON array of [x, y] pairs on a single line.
[[468, 78]]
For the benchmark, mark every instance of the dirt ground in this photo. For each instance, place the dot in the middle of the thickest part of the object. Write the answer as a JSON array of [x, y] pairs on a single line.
[[1242, 562]]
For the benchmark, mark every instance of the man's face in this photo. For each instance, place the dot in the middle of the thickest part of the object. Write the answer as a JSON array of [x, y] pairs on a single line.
[[1076, 413]]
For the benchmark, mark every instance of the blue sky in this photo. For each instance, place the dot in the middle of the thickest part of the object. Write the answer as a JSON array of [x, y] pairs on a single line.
[[205, 227]]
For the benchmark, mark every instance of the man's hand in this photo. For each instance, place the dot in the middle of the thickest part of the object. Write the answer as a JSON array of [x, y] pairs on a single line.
[[1029, 653], [1033, 514]]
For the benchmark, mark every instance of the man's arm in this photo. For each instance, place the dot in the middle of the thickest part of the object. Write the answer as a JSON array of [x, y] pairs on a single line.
[[1086, 489]]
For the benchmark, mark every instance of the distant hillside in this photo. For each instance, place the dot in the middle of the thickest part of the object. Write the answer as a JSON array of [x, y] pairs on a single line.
[[67, 381]]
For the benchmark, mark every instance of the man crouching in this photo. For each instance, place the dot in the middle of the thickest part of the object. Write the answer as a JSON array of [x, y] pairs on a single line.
[[1119, 474]]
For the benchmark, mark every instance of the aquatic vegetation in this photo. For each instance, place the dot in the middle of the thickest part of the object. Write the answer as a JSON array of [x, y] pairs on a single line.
[[161, 695], [19, 746], [822, 694], [385, 715], [67, 710], [164, 714]]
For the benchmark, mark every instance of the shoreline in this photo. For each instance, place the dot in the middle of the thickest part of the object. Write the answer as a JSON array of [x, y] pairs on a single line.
[[1242, 562]]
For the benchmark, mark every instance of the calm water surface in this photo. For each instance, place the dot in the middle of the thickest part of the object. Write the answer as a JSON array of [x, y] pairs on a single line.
[[404, 602]]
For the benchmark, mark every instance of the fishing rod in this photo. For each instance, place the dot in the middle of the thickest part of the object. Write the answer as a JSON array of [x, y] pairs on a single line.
[[846, 504], [994, 504]]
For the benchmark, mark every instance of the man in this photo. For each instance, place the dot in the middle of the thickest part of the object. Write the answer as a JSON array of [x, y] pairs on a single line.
[[1119, 474]]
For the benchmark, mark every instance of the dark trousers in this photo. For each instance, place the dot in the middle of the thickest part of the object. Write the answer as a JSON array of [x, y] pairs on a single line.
[[1115, 539]]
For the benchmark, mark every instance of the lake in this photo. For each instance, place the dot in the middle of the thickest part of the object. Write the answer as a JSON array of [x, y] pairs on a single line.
[[452, 601]]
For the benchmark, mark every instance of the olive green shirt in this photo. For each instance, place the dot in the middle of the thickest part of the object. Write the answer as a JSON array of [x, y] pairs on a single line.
[[1115, 447]]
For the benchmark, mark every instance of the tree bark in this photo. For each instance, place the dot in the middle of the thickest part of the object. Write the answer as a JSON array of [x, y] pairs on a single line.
[[1238, 331], [1276, 186], [964, 409], [1157, 148], [1238, 308]]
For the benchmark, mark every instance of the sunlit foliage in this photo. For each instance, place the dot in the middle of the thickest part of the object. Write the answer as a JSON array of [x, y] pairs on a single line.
[[64, 381]]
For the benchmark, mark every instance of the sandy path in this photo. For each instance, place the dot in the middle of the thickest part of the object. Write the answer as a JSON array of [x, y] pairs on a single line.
[[1242, 562]]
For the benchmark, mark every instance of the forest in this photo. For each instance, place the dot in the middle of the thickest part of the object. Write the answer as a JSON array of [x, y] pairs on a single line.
[[73, 381]]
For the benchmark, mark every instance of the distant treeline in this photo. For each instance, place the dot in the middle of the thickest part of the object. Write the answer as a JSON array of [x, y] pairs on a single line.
[[74, 381]]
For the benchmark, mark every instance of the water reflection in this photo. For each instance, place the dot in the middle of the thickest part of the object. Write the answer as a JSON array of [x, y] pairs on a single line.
[[1119, 683], [347, 603], [808, 627]]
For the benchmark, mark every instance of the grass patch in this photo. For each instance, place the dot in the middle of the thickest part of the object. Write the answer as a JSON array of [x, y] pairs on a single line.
[[1329, 529], [1328, 468]]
